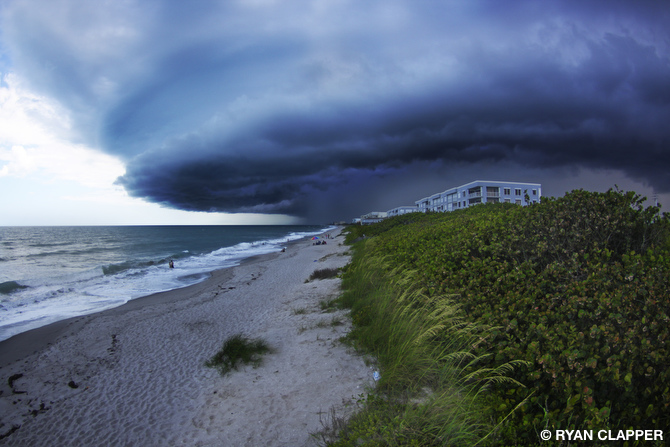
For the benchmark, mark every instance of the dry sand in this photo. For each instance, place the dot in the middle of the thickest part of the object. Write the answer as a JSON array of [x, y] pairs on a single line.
[[139, 369]]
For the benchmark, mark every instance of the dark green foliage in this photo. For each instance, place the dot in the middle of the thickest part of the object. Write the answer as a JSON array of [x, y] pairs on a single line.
[[236, 349], [577, 286]]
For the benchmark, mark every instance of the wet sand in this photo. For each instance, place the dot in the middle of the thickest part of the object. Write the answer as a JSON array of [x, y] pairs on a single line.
[[135, 375]]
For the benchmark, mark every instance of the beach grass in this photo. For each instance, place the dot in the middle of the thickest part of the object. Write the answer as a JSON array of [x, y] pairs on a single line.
[[430, 388], [238, 349], [326, 273], [329, 305]]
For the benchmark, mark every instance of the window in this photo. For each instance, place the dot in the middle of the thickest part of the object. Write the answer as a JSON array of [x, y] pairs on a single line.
[[507, 200], [517, 192], [518, 201], [535, 192], [507, 191]]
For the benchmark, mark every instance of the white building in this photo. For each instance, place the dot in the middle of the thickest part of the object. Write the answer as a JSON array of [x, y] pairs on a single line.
[[373, 217], [481, 191], [400, 210]]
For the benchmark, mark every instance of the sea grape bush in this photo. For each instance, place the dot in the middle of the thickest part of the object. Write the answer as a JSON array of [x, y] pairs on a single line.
[[577, 286]]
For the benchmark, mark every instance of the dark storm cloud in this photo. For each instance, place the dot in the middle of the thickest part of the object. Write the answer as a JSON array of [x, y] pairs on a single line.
[[258, 106]]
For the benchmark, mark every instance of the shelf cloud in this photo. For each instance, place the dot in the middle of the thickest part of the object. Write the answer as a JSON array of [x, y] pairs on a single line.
[[274, 107]]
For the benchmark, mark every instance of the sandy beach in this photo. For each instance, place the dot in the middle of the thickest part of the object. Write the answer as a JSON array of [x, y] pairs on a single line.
[[135, 375]]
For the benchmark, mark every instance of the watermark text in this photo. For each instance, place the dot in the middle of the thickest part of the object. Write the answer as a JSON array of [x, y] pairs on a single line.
[[602, 435]]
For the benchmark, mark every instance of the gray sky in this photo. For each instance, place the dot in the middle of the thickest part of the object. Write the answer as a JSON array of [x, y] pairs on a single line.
[[326, 110]]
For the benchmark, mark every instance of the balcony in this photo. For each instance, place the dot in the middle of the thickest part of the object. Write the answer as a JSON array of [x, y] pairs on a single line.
[[492, 191]]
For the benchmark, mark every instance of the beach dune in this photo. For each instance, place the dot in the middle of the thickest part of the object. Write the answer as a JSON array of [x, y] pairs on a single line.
[[135, 375]]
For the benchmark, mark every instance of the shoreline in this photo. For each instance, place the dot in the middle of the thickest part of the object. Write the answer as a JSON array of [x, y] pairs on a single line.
[[24, 343], [59, 288], [87, 378]]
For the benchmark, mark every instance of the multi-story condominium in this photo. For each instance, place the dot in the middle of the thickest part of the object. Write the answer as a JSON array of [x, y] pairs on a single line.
[[400, 210], [481, 191], [373, 217]]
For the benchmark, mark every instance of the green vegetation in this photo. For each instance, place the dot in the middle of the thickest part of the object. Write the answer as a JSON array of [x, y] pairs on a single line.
[[574, 287], [324, 273], [236, 349], [327, 305], [430, 378]]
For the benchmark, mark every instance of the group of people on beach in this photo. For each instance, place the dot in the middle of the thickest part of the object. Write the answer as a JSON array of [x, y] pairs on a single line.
[[317, 241]]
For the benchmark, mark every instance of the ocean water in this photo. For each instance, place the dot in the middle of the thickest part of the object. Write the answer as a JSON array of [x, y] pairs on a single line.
[[49, 274]]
